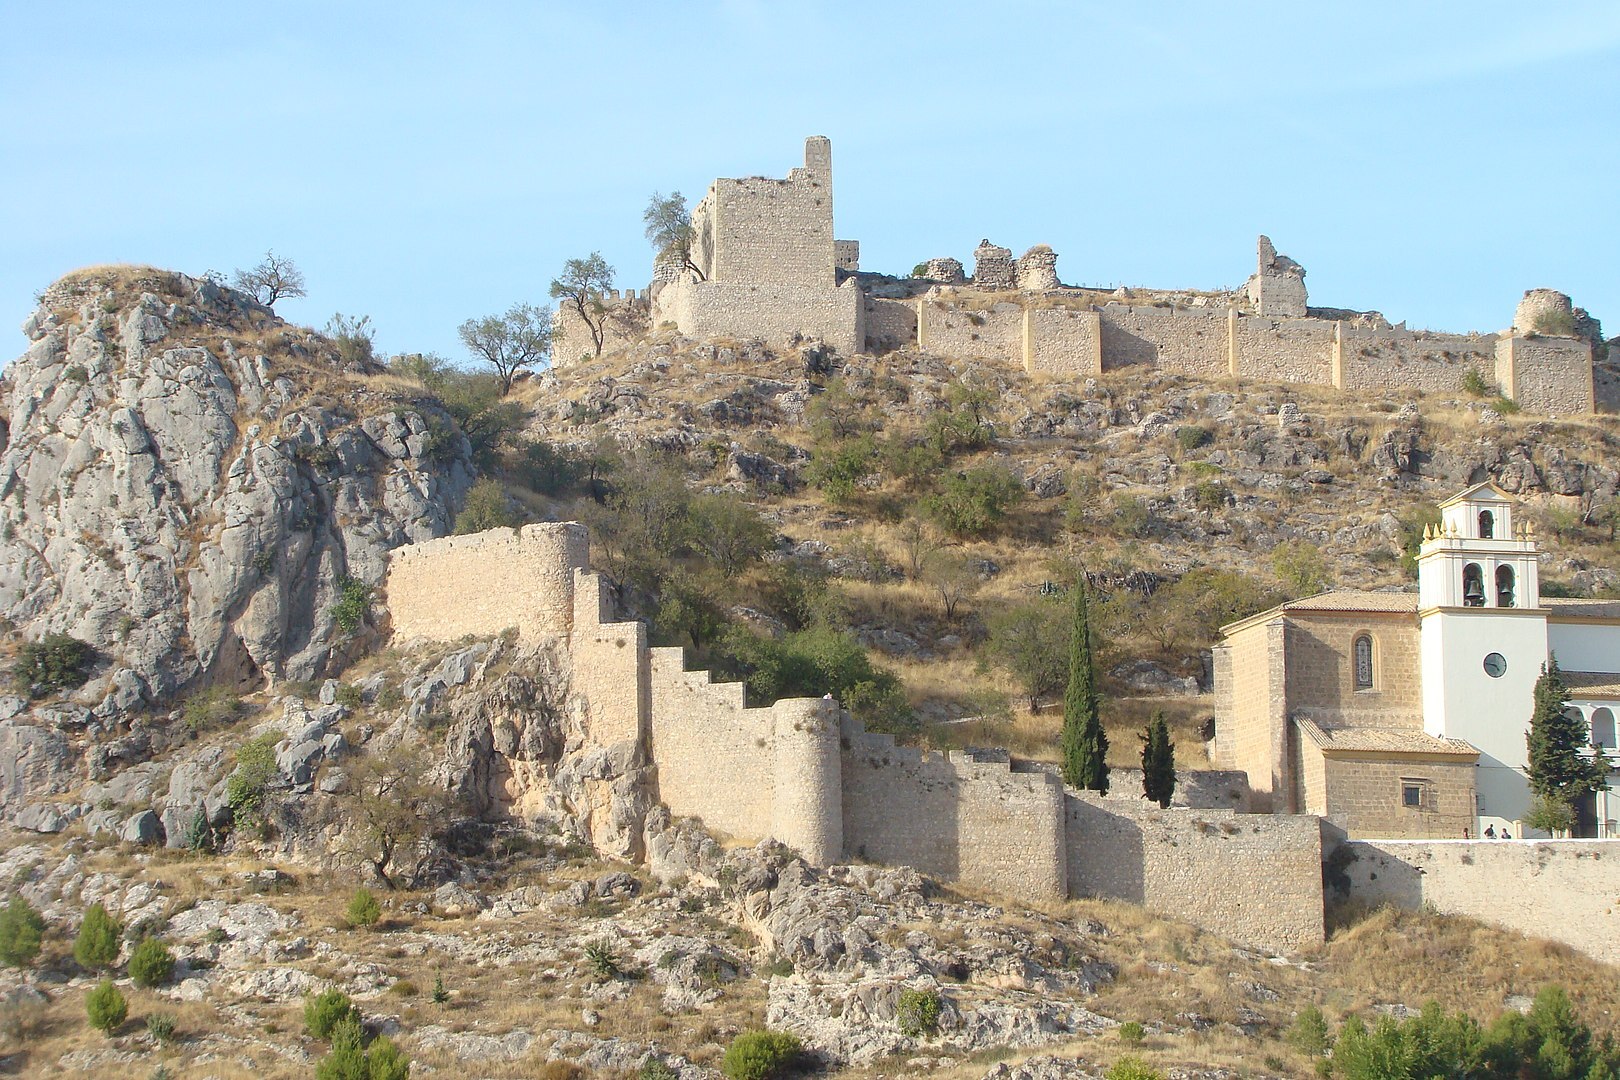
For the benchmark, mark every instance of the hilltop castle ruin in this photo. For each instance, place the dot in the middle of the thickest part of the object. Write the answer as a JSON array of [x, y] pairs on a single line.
[[769, 266]]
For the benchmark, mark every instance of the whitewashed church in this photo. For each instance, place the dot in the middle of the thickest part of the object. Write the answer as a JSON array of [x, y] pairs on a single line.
[[1395, 714]]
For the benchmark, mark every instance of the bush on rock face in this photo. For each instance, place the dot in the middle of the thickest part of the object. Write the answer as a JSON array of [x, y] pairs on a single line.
[[21, 931], [55, 662], [759, 1055], [105, 1007], [326, 1010], [151, 964], [97, 943]]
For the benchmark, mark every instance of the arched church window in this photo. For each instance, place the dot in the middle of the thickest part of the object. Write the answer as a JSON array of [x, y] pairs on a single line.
[[1603, 728], [1363, 650], [1504, 586], [1473, 586], [1487, 525]]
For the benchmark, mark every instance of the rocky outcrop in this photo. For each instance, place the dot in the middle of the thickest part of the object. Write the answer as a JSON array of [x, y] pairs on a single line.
[[188, 480]]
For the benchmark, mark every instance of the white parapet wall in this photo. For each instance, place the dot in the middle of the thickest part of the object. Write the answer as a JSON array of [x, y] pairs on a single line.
[[1566, 890]]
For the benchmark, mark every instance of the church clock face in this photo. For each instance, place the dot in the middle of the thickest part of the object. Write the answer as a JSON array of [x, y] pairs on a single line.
[[1495, 665]]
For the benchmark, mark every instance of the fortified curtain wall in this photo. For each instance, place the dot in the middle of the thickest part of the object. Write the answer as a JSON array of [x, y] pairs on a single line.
[[1550, 375], [805, 773], [1559, 889]]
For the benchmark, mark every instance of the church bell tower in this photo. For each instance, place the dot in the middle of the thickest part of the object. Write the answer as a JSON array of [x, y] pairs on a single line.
[[1484, 639]]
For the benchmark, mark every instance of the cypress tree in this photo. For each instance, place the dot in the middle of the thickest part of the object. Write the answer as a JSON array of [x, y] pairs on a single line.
[[1158, 762], [1084, 743], [1558, 769]]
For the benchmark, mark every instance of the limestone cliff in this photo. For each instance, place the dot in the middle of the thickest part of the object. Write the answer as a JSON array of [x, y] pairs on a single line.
[[187, 480]]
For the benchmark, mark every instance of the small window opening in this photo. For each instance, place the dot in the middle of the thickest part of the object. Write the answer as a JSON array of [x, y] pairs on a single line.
[[1473, 586], [1412, 794], [1487, 525], [1364, 662], [1504, 586]]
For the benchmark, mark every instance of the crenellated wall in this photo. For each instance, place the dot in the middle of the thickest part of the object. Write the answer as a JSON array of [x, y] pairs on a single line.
[[803, 772], [749, 773]]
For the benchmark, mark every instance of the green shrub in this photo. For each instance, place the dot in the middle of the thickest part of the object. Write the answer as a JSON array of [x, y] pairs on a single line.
[[325, 1011], [487, 507], [602, 961], [653, 1069], [349, 696], [974, 503], [441, 993], [1555, 323], [1209, 495], [151, 964], [53, 663], [161, 1026], [1309, 1035], [1475, 384], [105, 1007], [363, 908], [21, 931], [249, 783], [210, 708], [404, 988], [917, 1012], [355, 340], [351, 1059], [758, 1055], [836, 470], [353, 605], [1192, 437], [1505, 406], [813, 662], [1133, 1068], [1131, 1033], [97, 943]]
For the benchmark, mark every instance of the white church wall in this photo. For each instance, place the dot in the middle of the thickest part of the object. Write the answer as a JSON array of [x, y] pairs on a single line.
[[1585, 646]]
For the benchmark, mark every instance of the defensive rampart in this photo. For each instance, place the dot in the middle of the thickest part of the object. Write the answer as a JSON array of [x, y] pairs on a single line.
[[1186, 863], [1560, 889], [805, 773]]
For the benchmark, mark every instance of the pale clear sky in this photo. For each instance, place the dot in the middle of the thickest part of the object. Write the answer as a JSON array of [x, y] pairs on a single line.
[[425, 163]]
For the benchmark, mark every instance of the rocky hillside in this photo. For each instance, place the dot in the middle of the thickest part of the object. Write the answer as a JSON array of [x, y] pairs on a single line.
[[188, 481]]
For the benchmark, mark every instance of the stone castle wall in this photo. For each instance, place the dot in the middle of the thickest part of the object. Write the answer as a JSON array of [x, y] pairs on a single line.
[[996, 333], [953, 816], [1069, 343], [763, 231], [1258, 877], [1251, 704], [803, 772], [628, 318], [1551, 375], [775, 312], [1190, 342], [747, 773], [1559, 889], [487, 583]]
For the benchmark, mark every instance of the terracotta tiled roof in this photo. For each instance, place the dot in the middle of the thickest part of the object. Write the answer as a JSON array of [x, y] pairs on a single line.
[[1353, 600], [1384, 740], [1599, 684]]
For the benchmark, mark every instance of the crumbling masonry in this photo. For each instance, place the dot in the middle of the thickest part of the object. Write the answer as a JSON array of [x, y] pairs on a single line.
[[772, 269]]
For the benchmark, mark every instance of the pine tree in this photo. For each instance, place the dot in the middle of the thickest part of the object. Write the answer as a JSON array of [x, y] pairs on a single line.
[[1558, 769], [1084, 743], [1158, 762]]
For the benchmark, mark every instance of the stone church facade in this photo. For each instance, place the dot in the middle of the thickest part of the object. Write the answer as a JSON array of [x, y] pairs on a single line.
[[1398, 714]]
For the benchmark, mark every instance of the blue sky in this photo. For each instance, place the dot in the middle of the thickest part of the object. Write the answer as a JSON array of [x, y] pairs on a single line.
[[426, 163]]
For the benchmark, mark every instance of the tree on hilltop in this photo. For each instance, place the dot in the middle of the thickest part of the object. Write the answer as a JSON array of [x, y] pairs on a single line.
[[1084, 743], [1158, 762], [669, 230], [581, 286], [1559, 772], [273, 279], [510, 343]]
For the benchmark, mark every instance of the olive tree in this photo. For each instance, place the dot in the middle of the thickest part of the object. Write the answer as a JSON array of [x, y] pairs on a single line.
[[510, 343], [669, 230], [581, 286]]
